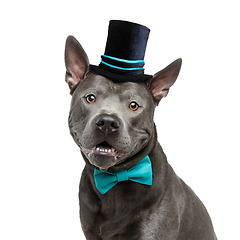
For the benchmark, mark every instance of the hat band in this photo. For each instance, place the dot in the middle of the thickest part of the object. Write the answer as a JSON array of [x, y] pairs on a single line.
[[122, 64], [129, 69], [124, 60]]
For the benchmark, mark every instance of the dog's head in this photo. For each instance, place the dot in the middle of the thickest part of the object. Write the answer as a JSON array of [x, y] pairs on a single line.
[[112, 122]]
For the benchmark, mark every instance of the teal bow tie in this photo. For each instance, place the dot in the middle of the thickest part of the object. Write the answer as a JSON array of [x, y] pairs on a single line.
[[140, 173]]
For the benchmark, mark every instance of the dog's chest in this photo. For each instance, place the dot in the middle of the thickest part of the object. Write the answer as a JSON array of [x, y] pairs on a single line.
[[121, 215], [140, 226]]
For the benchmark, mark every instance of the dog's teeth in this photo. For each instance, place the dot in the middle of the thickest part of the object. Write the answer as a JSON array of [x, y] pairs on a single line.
[[104, 149]]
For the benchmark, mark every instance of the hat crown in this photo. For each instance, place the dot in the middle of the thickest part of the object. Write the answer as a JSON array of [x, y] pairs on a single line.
[[126, 40]]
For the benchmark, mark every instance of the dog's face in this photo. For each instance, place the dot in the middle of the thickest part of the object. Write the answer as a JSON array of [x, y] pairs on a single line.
[[111, 121]]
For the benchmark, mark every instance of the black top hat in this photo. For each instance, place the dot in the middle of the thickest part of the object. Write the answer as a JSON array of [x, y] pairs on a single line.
[[124, 52]]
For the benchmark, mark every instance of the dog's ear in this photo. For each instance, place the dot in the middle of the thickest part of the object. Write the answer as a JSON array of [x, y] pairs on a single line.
[[76, 61], [160, 83]]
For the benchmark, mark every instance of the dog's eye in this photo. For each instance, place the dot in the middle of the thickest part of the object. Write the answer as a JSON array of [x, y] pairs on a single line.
[[91, 98], [133, 106]]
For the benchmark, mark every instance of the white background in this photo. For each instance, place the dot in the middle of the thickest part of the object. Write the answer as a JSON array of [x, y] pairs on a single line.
[[198, 122]]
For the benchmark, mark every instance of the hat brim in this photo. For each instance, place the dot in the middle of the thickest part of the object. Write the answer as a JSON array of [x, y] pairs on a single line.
[[120, 78]]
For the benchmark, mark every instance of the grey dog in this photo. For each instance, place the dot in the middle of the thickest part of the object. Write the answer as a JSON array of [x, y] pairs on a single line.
[[113, 125]]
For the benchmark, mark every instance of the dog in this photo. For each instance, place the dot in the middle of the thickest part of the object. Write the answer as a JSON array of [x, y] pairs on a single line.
[[112, 123]]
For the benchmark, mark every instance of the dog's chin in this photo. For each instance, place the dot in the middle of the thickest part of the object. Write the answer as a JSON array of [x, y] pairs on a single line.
[[102, 160]]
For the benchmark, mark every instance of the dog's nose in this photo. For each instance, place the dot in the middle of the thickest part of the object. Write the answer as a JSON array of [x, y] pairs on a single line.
[[108, 123]]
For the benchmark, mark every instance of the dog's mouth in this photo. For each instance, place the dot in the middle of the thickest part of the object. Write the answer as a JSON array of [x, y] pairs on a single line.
[[105, 147], [103, 153], [101, 148]]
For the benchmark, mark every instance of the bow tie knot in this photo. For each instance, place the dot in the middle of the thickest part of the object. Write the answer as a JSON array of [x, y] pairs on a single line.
[[140, 173], [122, 176]]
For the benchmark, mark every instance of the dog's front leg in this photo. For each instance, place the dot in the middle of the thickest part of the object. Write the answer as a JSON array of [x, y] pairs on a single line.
[[89, 208]]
